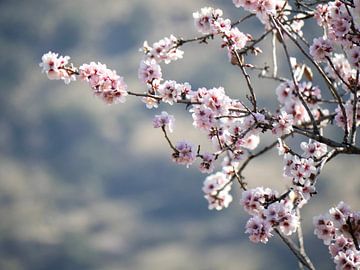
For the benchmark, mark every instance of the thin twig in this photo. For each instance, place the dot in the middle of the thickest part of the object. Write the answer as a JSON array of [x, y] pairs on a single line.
[[295, 250], [247, 78], [316, 130], [342, 147], [168, 140], [332, 88], [300, 237]]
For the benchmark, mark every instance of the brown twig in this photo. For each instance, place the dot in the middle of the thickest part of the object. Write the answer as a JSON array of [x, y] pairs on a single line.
[[303, 258], [168, 140], [332, 88], [315, 128], [247, 78]]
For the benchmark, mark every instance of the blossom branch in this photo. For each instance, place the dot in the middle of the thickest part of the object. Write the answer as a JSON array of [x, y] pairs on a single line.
[[332, 88], [316, 130]]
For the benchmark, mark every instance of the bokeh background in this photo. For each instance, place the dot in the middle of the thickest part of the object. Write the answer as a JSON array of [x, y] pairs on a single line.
[[84, 185]]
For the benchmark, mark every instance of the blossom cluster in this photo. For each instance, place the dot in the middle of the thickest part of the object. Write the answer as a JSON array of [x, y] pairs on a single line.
[[216, 188], [340, 231], [105, 82], [340, 22], [210, 21], [268, 211], [56, 67], [164, 120], [288, 94]]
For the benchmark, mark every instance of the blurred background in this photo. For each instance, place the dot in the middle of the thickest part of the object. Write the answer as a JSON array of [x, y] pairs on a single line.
[[84, 185]]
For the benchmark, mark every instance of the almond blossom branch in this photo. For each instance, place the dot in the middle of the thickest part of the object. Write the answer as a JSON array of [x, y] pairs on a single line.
[[332, 88], [316, 130]]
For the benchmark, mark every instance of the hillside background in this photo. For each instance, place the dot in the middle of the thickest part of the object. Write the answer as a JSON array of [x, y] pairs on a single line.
[[84, 185]]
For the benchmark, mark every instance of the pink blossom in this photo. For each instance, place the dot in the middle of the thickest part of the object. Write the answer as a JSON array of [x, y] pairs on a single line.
[[216, 100], [204, 118], [251, 141], [283, 124], [303, 193], [321, 14], [149, 70], [253, 200], [342, 67], [341, 243], [354, 56], [207, 164], [321, 48], [347, 260], [285, 92], [164, 120], [249, 5], [150, 102], [55, 67], [169, 92], [219, 201], [355, 12], [221, 25], [313, 149], [282, 215], [185, 153], [324, 228], [204, 20], [184, 90], [165, 50], [216, 188], [105, 82], [340, 119], [234, 39], [215, 182], [259, 230]]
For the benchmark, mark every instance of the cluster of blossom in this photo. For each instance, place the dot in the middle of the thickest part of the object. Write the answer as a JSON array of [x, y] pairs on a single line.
[[340, 21], [340, 230], [216, 188], [288, 96], [341, 67], [349, 111], [165, 50], [149, 72], [313, 149], [209, 21], [263, 9], [283, 124], [303, 170], [164, 120], [105, 82], [268, 211], [184, 154], [56, 67], [300, 170]]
